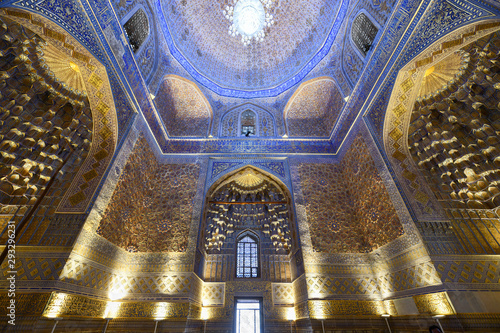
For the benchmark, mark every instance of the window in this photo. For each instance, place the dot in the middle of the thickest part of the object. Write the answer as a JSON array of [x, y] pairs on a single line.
[[248, 314], [363, 33], [137, 29], [248, 123], [247, 258]]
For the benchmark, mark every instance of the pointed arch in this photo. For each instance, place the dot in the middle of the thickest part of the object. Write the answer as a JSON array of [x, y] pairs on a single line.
[[314, 108], [71, 72], [247, 202], [183, 108]]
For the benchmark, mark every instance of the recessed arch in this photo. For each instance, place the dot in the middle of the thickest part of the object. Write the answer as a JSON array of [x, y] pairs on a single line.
[[314, 108], [242, 202], [72, 64], [183, 108], [421, 124], [230, 124]]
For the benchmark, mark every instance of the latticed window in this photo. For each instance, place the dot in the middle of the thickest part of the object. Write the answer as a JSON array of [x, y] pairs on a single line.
[[137, 29], [363, 33], [247, 258], [248, 123]]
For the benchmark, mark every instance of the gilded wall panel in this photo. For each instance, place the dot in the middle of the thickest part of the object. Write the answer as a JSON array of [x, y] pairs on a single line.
[[283, 294], [27, 304], [323, 286], [152, 205], [415, 276], [434, 304], [67, 305], [468, 271], [348, 207], [213, 293], [331, 308]]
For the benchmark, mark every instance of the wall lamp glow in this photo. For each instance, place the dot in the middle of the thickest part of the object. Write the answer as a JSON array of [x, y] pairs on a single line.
[[386, 316], [436, 317], [55, 324], [290, 315]]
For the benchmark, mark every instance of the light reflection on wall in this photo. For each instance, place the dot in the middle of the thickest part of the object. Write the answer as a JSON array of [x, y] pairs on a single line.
[[160, 311], [117, 288], [55, 306], [290, 314], [112, 309], [205, 313]]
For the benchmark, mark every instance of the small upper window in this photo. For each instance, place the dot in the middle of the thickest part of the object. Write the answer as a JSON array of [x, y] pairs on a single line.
[[247, 258], [363, 33], [137, 29], [248, 123]]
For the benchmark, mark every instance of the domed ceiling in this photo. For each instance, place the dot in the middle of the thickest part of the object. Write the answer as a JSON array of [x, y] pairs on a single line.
[[200, 37]]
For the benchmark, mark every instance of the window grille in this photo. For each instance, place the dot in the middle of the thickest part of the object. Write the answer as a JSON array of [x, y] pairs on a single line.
[[247, 260]]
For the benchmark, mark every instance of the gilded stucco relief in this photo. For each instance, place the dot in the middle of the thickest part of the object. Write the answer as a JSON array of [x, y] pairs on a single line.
[[448, 161], [151, 208], [348, 208]]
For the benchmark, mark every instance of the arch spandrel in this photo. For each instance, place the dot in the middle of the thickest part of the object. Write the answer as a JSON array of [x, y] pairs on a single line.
[[64, 48]]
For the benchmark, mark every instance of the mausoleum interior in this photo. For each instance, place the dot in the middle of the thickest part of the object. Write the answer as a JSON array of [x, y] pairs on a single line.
[[249, 166]]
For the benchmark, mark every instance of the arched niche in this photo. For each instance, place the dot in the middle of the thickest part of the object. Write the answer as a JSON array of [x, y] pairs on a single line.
[[314, 108], [247, 200], [63, 98], [440, 134], [183, 108], [233, 121]]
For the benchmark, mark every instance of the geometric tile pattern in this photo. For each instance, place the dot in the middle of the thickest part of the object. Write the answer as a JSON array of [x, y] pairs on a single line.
[[85, 275], [283, 294], [324, 286], [421, 275], [326, 309], [469, 271], [213, 293], [36, 268]]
